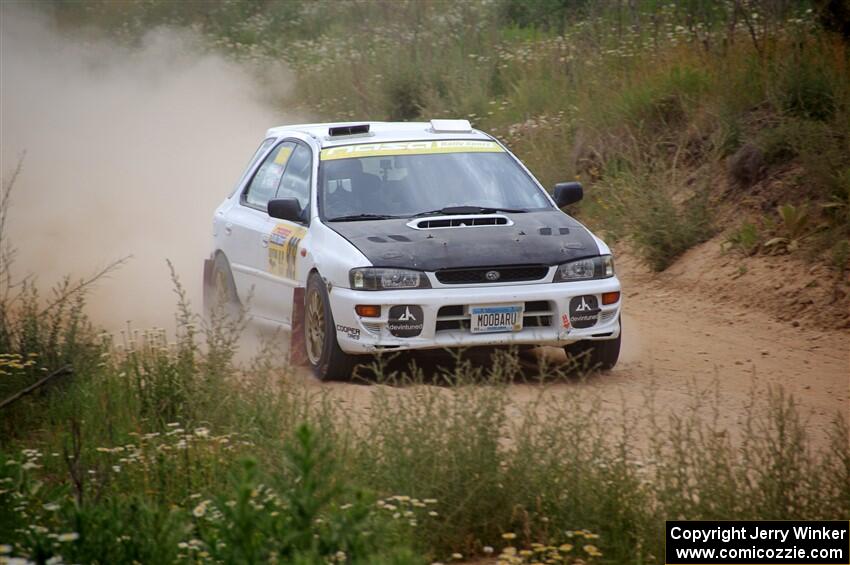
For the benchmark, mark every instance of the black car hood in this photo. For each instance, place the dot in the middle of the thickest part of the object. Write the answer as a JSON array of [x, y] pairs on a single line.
[[535, 238]]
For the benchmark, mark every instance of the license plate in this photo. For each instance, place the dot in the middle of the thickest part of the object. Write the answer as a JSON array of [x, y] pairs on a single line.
[[496, 318]]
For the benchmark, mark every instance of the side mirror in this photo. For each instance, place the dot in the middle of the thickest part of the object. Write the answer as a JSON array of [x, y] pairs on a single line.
[[285, 209], [568, 193]]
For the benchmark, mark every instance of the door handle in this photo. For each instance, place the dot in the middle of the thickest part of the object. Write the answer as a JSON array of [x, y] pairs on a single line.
[[228, 228], [265, 241]]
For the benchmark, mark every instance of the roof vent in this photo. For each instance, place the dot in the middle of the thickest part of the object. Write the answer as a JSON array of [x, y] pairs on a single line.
[[357, 129], [451, 126]]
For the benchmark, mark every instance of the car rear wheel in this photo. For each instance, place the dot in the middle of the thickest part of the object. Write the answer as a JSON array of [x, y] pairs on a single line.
[[220, 293], [599, 355], [328, 361]]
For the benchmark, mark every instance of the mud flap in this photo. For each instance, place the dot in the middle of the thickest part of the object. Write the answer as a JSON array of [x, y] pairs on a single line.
[[297, 348], [208, 271]]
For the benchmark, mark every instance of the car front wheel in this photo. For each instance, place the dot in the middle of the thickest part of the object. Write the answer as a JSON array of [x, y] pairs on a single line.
[[599, 355], [328, 361]]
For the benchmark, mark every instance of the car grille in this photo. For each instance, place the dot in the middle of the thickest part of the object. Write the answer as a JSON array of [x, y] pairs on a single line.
[[478, 275], [537, 314]]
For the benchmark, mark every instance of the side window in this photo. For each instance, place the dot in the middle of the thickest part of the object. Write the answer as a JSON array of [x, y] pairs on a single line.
[[296, 179], [265, 182], [257, 154]]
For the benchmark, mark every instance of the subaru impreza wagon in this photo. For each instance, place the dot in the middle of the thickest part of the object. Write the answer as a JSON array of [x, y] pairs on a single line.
[[369, 237]]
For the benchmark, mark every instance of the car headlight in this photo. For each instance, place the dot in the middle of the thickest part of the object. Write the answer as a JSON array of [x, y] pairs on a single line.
[[376, 278], [601, 267]]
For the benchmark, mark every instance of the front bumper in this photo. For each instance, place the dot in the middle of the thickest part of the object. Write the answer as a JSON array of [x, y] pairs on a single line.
[[546, 320]]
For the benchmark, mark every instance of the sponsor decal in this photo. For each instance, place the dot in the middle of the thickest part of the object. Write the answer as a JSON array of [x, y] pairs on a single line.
[[283, 249], [565, 321], [584, 311], [492, 276], [351, 333], [410, 148], [283, 155], [405, 320]]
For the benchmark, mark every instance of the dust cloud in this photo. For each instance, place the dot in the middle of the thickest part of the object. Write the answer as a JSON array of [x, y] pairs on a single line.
[[128, 152]]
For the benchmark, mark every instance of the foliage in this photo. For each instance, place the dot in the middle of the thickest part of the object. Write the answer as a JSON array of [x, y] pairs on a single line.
[[794, 227], [282, 473], [746, 239]]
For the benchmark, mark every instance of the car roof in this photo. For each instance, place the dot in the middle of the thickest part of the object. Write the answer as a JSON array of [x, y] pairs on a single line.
[[379, 132]]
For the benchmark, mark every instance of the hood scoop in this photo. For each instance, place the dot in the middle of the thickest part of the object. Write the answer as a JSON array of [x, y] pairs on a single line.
[[464, 221]]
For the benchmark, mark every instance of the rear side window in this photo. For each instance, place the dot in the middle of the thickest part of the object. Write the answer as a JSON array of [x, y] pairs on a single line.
[[264, 146], [264, 185]]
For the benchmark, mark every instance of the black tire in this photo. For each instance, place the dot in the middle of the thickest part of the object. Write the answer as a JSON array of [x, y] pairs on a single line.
[[220, 291], [328, 361], [599, 355]]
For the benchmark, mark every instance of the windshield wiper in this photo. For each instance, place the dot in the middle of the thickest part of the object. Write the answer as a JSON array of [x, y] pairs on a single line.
[[359, 217], [468, 210]]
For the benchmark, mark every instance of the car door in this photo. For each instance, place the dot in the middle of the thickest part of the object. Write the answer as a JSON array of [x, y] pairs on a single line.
[[247, 233], [285, 238]]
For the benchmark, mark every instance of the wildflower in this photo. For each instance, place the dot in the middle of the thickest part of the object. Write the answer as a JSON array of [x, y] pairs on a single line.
[[51, 507], [592, 550], [68, 537], [457, 556], [5, 549], [430, 501], [433, 514], [565, 547], [200, 509], [487, 549], [508, 536]]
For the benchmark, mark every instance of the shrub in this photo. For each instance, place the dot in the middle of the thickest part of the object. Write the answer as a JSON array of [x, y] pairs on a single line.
[[806, 89], [794, 226], [662, 231], [745, 239]]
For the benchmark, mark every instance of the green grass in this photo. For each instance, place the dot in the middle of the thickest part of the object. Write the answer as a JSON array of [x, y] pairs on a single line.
[[162, 452]]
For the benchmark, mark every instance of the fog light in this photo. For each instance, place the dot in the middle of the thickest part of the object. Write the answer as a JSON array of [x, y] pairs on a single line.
[[610, 297], [368, 311]]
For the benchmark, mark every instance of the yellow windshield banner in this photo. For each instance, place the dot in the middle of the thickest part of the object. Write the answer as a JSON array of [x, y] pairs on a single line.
[[410, 148]]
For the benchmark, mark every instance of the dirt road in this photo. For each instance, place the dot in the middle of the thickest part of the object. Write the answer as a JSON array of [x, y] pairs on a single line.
[[678, 340]]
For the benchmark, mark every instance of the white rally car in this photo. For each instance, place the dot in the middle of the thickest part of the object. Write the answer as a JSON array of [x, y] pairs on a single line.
[[369, 237]]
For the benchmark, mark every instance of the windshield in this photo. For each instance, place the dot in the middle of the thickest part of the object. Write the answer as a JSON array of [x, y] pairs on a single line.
[[468, 177]]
